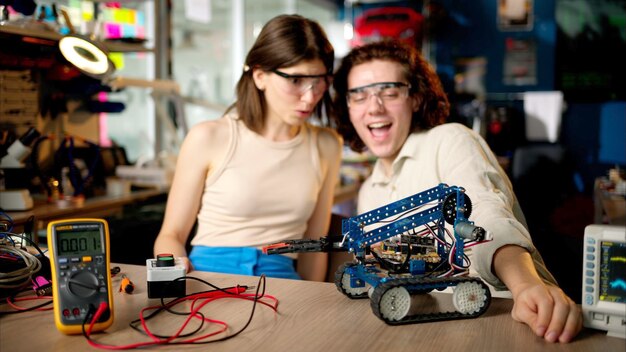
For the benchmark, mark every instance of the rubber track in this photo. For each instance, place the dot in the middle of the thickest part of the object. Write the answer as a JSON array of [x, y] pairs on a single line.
[[338, 281], [420, 285]]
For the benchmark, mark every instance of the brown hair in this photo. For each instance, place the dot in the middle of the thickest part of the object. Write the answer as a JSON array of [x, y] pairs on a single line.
[[284, 41], [425, 85]]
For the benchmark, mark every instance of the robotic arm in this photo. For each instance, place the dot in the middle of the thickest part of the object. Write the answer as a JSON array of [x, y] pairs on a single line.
[[404, 249], [399, 218]]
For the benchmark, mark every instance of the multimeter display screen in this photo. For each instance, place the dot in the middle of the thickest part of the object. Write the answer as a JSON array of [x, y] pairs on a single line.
[[613, 272], [79, 241]]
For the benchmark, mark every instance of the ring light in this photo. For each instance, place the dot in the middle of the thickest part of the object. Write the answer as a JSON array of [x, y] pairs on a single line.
[[86, 56]]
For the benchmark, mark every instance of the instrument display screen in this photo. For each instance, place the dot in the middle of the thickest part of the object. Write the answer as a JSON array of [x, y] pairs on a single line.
[[613, 272], [79, 241]]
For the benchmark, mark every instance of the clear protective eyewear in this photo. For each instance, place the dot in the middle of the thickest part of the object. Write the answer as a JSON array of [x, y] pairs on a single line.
[[386, 92], [300, 84]]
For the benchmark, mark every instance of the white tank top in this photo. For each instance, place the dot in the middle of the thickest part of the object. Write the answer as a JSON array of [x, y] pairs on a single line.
[[264, 191]]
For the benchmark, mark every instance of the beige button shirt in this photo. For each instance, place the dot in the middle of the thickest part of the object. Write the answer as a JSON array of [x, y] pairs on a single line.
[[455, 155]]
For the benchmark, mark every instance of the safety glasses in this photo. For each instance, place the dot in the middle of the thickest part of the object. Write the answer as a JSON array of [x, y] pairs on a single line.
[[385, 92], [300, 84]]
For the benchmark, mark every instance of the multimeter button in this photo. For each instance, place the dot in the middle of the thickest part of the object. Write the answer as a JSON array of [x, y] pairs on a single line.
[[66, 312], [64, 267], [87, 258], [75, 260], [62, 260]]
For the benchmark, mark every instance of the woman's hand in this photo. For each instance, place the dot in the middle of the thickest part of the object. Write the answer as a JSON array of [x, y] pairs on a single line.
[[188, 265]]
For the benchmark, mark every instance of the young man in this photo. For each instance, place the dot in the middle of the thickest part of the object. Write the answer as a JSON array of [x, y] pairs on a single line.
[[390, 101]]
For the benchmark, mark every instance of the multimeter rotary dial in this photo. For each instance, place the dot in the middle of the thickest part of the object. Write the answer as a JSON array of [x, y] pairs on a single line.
[[83, 284]]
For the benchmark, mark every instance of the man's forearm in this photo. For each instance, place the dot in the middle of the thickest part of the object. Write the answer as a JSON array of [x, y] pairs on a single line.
[[514, 267]]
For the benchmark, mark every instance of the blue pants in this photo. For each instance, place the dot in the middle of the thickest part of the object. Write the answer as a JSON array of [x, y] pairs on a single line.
[[243, 261]]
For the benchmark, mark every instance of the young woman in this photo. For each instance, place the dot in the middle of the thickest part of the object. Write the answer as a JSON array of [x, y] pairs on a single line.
[[390, 101], [262, 173]]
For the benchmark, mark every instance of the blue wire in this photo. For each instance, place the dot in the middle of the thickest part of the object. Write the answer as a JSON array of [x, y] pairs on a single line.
[[6, 234]]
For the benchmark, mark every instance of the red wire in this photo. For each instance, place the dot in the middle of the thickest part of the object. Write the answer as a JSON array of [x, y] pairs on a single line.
[[19, 299], [248, 296], [198, 302], [193, 313], [472, 244]]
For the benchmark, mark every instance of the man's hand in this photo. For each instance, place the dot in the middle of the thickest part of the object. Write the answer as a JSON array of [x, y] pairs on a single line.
[[548, 311], [545, 308]]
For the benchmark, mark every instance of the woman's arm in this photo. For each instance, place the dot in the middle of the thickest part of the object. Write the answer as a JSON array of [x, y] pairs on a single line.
[[313, 266], [194, 161]]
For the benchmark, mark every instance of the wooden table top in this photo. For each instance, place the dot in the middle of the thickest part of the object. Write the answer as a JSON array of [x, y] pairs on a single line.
[[312, 316]]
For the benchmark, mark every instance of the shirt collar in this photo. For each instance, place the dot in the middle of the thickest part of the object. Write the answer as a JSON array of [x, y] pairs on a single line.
[[407, 151]]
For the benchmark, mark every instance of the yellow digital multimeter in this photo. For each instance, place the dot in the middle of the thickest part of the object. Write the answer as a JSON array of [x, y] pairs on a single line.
[[81, 276]]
